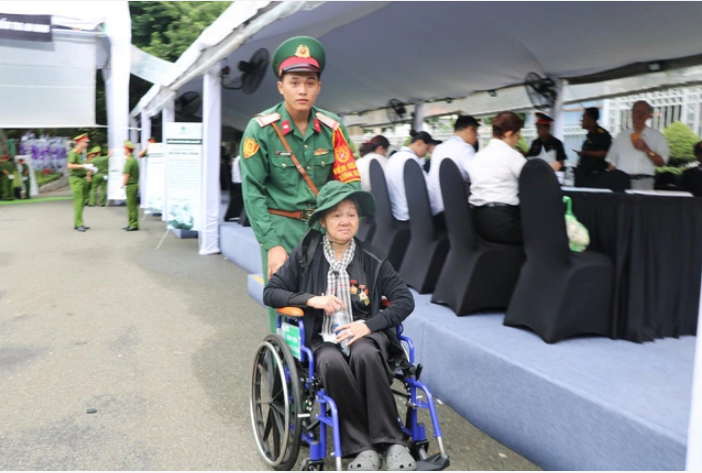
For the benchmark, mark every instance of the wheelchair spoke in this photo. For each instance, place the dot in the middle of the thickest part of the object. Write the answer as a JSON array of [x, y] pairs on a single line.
[[269, 425]]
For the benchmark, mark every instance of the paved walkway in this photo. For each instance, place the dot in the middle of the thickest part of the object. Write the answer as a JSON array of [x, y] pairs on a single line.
[[158, 342]]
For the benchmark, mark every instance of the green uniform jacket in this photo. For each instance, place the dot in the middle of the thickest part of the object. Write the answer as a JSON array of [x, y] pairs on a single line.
[[75, 158], [101, 162], [8, 166], [131, 167], [270, 179]]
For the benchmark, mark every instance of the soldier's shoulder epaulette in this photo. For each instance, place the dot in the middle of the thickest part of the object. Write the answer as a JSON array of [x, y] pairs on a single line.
[[265, 120], [328, 121]]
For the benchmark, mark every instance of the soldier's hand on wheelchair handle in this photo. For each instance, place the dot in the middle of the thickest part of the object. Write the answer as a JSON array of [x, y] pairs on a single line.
[[276, 258], [352, 332], [330, 304]]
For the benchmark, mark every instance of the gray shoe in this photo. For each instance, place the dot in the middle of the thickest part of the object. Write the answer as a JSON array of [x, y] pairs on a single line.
[[367, 460], [398, 458]]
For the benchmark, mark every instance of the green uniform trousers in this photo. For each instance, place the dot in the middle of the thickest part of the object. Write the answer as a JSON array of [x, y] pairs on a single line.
[[99, 185], [132, 209], [78, 185], [27, 187], [6, 190], [291, 231]]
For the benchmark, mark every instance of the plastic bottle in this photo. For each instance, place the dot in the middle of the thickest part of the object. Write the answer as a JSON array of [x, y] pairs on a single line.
[[339, 318]]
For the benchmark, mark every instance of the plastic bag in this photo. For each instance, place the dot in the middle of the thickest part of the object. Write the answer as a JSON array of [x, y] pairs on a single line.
[[578, 236]]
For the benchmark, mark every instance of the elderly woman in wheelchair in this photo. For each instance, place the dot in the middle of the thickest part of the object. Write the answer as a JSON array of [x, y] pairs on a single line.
[[349, 338]]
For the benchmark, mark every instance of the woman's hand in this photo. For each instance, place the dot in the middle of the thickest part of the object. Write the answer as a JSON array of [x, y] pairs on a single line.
[[330, 304], [352, 332]]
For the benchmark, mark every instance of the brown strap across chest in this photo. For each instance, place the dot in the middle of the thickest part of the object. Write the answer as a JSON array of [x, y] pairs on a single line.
[[299, 167]]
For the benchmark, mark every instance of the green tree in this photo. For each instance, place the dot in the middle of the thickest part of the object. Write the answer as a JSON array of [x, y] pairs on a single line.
[[522, 145], [681, 139]]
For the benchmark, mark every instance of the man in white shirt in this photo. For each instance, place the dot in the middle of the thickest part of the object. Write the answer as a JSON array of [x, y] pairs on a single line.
[[494, 182], [638, 151], [461, 149], [395, 171]]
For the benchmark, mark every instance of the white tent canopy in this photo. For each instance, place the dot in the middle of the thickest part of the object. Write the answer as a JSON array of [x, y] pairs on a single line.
[[419, 51]]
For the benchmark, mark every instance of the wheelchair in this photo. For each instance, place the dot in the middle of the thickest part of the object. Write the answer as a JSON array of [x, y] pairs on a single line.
[[290, 408]]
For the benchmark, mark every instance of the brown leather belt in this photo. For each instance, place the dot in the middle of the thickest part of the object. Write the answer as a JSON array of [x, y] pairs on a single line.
[[303, 215]]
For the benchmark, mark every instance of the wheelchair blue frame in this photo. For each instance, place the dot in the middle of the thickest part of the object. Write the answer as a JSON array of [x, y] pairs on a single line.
[[415, 430]]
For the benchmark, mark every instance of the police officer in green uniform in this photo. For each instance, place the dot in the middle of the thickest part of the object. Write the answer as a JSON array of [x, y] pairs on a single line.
[[592, 163], [289, 152], [24, 177], [131, 182], [7, 174], [77, 178], [546, 146], [99, 179]]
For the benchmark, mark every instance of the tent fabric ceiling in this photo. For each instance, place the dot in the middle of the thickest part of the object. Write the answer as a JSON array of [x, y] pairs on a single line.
[[433, 50]]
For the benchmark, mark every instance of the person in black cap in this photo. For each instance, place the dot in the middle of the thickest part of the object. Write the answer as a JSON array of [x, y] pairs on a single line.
[[546, 146], [592, 163], [395, 171]]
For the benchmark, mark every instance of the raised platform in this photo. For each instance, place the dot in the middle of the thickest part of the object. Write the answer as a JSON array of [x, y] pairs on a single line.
[[581, 404], [238, 244]]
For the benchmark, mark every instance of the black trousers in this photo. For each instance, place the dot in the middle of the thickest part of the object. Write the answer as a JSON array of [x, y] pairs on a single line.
[[361, 390], [439, 221], [499, 224]]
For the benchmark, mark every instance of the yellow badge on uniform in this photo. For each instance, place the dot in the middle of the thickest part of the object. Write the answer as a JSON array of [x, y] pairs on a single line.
[[322, 152], [250, 147]]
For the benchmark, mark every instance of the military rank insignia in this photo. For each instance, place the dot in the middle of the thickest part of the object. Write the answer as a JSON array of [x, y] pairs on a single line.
[[250, 147]]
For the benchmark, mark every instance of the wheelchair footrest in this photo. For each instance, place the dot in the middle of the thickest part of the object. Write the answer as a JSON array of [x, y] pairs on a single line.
[[433, 463]]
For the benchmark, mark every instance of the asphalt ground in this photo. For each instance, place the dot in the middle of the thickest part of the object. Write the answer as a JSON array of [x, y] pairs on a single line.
[[159, 343]]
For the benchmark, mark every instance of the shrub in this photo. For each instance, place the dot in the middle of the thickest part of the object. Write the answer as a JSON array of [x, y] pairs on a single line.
[[681, 139]]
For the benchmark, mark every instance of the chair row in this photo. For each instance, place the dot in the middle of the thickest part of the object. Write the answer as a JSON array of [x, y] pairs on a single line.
[[542, 285]]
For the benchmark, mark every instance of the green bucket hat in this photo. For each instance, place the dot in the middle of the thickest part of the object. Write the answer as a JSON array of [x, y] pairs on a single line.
[[95, 150], [129, 144], [335, 192]]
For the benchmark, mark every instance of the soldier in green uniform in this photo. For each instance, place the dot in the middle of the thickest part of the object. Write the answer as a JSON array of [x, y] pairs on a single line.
[[593, 155], [131, 182], [289, 152], [99, 181], [7, 175], [24, 177], [77, 178]]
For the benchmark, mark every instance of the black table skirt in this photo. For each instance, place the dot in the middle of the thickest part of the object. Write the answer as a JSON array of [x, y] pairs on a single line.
[[656, 246]]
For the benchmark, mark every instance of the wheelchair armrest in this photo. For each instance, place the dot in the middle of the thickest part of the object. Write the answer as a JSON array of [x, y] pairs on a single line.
[[290, 311]]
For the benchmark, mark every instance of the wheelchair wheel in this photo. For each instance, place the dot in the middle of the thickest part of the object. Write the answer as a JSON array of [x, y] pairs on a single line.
[[275, 403]]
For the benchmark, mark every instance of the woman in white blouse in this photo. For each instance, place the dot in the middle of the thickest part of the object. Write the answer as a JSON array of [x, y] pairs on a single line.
[[494, 176], [376, 148]]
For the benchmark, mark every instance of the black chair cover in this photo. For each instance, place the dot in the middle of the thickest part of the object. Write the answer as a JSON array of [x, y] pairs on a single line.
[[477, 274], [427, 247], [691, 181], [366, 229], [616, 181], [391, 236], [559, 293]]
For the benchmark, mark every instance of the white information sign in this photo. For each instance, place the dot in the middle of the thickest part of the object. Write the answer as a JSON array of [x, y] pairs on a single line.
[[183, 175], [154, 189]]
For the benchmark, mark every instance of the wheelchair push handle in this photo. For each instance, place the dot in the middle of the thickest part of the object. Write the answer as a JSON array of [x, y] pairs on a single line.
[[291, 311]]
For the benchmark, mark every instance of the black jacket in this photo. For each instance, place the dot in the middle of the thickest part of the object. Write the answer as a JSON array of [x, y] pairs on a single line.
[[304, 275]]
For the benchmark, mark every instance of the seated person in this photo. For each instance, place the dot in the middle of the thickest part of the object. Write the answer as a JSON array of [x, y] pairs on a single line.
[[375, 149], [461, 149], [691, 181], [395, 171], [592, 163], [639, 150], [546, 146], [494, 182], [329, 271]]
